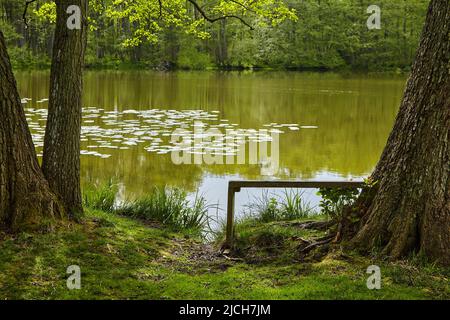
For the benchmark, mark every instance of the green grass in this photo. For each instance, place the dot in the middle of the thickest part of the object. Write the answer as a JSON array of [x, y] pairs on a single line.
[[123, 258], [168, 206], [100, 196]]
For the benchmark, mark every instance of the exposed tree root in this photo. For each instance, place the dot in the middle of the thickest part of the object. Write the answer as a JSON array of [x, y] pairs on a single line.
[[312, 245], [232, 258], [312, 225]]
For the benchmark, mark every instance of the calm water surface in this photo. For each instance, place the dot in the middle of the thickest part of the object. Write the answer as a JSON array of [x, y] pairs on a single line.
[[330, 126]]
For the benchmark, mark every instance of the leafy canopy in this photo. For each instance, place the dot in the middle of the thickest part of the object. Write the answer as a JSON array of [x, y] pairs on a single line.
[[146, 19]]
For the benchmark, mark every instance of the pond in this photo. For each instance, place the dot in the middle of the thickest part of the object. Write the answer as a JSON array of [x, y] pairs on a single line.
[[326, 126]]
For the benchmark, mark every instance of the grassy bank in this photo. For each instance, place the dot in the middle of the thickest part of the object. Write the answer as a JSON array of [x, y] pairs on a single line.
[[124, 258]]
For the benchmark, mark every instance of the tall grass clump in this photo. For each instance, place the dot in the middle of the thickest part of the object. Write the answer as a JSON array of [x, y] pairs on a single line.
[[293, 206], [100, 196], [171, 207], [288, 206]]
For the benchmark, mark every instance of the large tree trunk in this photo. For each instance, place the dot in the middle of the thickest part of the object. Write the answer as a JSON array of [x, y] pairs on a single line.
[[409, 208], [26, 201], [61, 162]]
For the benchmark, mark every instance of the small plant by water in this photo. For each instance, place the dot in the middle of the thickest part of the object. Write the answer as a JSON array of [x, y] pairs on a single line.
[[335, 200]]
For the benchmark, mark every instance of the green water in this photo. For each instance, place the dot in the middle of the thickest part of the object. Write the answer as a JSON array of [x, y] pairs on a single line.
[[338, 124]]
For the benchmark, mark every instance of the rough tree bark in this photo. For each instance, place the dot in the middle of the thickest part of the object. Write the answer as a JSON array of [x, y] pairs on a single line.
[[26, 201], [409, 208], [61, 162]]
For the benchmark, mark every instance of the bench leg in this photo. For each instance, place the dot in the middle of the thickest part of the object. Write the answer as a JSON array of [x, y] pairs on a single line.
[[230, 216]]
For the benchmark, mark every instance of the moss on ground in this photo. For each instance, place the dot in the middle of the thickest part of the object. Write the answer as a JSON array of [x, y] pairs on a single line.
[[121, 258]]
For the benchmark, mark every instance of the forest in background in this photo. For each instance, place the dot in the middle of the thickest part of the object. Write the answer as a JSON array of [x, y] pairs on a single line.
[[328, 35]]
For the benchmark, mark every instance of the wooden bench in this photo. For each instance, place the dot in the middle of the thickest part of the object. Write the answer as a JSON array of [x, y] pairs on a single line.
[[235, 186]]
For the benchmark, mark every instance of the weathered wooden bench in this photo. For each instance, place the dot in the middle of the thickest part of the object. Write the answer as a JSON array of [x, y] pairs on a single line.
[[235, 186]]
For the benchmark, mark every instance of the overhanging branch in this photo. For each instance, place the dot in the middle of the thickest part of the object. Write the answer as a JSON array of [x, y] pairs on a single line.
[[160, 8], [24, 16], [209, 19]]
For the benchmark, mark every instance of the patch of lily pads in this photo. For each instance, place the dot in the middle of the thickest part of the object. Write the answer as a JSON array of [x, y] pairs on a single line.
[[156, 130]]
